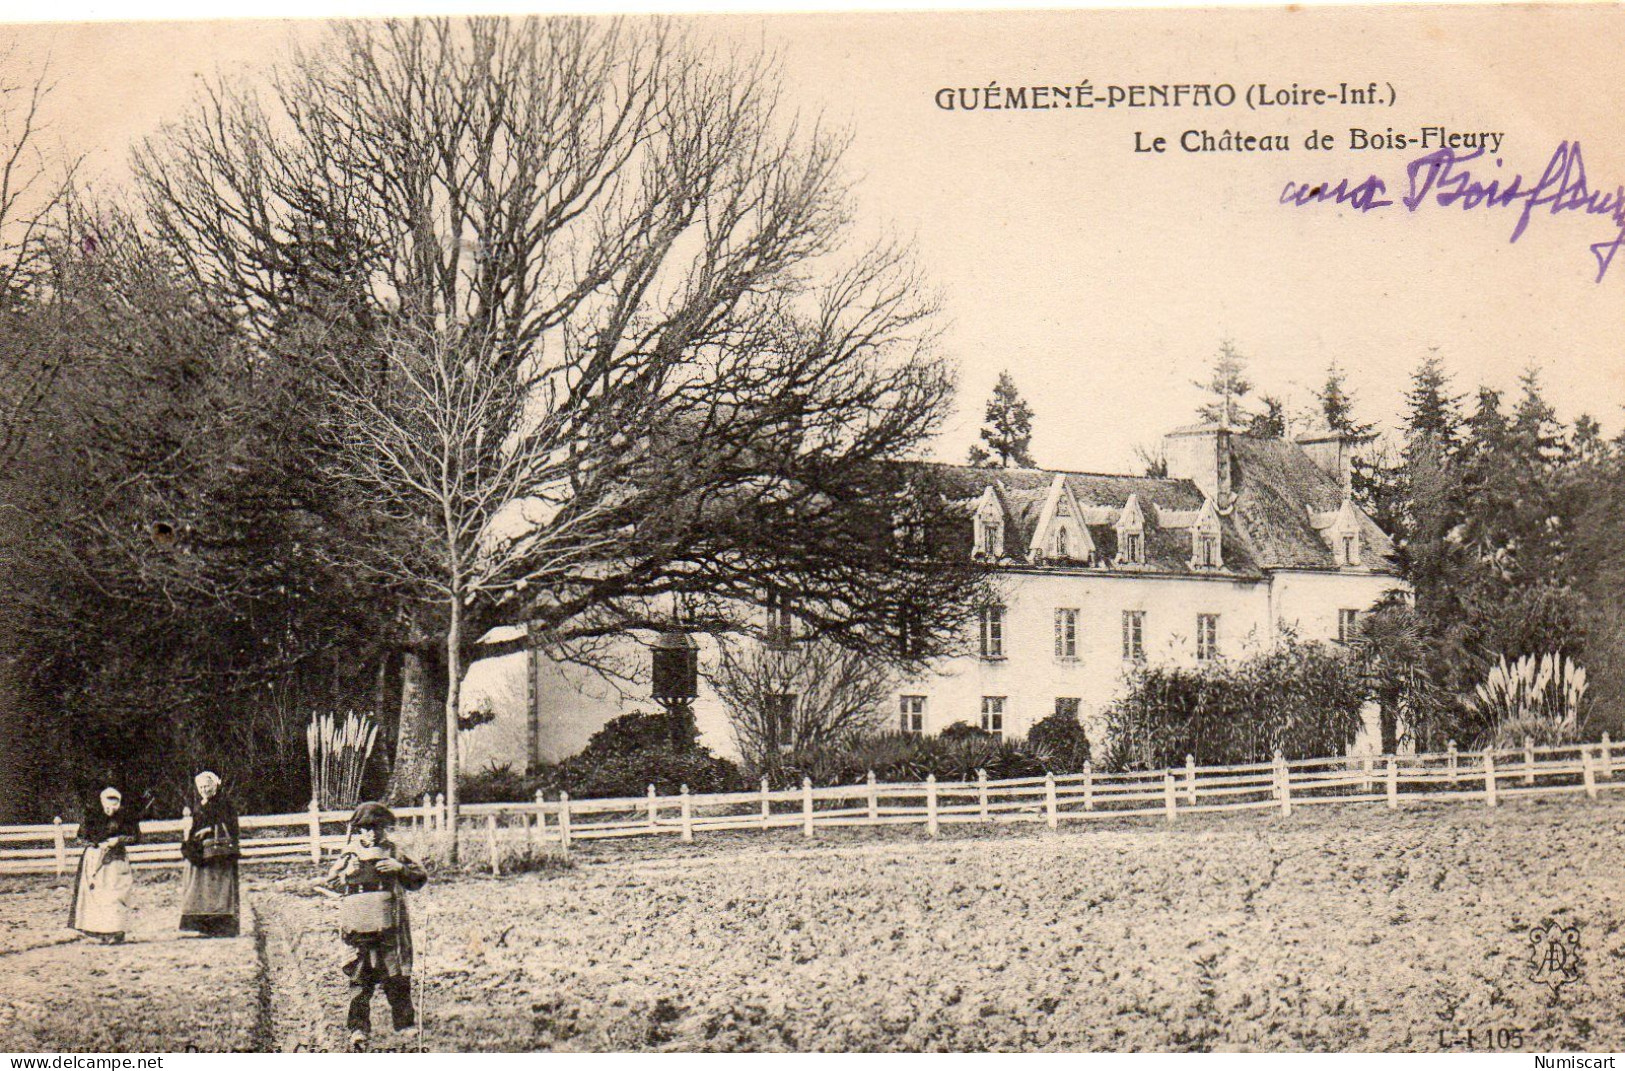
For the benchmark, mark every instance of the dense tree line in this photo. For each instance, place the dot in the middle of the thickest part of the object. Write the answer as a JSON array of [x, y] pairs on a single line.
[[446, 324]]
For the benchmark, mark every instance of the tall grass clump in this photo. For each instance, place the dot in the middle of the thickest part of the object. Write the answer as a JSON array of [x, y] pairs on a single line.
[[339, 752]]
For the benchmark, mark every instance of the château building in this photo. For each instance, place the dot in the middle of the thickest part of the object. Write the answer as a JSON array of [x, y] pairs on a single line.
[[1243, 538]]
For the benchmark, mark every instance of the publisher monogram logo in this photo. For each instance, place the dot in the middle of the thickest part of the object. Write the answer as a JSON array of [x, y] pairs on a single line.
[[1554, 955]]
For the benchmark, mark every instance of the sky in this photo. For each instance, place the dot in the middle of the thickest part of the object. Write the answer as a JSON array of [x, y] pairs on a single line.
[[1102, 279]]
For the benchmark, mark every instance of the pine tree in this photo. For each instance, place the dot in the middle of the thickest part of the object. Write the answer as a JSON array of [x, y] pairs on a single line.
[[1229, 383], [1337, 404], [1271, 423], [1007, 430], [1435, 413]]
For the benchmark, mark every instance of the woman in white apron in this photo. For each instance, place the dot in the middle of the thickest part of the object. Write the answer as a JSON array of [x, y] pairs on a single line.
[[210, 845], [101, 894]]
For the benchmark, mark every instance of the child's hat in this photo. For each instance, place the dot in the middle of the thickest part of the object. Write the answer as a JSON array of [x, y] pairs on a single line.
[[371, 815]]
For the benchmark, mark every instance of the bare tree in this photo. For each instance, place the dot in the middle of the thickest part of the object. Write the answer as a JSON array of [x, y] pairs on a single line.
[[634, 230], [34, 197], [799, 694], [477, 496]]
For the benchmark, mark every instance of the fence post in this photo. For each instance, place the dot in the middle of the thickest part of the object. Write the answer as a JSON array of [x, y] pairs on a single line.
[[767, 804], [874, 799], [564, 820], [1528, 760], [1607, 758], [61, 848], [537, 830], [1088, 786], [688, 815], [931, 804], [441, 819], [1168, 793], [1050, 815], [314, 824], [654, 809], [1587, 771], [806, 807], [1452, 750], [1393, 782], [1190, 780], [981, 793], [1283, 774], [1366, 766], [426, 818], [1489, 777], [491, 843]]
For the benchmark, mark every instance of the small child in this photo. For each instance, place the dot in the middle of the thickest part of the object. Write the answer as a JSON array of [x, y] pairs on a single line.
[[371, 881]]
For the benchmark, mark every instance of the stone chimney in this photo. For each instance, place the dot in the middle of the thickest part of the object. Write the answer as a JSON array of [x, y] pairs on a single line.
[[1333, 453], [1201, 454]]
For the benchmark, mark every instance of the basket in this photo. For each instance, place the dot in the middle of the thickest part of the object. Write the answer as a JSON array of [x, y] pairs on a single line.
[[217, 845], [365, 913], [372, 912]]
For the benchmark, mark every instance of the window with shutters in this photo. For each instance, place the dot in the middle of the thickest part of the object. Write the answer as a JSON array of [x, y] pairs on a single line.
[[1207, 637], [913, 714], [992, 632], [1134, 635], [1348, 626], [993, 715], [1066, 634]]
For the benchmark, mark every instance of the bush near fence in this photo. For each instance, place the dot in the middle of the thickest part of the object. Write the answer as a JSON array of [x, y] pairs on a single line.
[[491, 833]]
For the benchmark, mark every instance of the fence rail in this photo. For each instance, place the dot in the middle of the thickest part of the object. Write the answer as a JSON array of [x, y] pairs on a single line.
[[502, 830]]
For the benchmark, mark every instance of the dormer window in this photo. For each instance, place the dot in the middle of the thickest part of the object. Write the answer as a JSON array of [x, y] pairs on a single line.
[[989, 526], [1206, 550], [1131, 533], [1344, 536]]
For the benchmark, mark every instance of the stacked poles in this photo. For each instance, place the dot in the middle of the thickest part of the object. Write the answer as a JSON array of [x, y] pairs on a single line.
[[339, 752]]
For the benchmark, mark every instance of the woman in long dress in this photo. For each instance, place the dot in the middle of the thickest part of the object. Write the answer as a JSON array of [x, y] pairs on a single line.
[[101, 892], [209, 896]]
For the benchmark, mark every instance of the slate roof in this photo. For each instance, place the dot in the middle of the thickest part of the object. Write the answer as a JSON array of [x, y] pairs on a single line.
[[1268, 527]]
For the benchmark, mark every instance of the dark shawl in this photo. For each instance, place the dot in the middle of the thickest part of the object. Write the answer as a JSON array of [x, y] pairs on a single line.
[[99, 826], [218, 811]]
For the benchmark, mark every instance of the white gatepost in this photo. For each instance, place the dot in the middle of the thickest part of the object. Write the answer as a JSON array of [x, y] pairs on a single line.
[[1365, 765], [1587, 771], [1088, 786], [1050, 813], [1452, 760], [426, 816], [1489, 777], [688, 815], [1607, 757], [1190, 780], [536, 830], [61, 846], [564, 820], [315, 823], [1283, 775], [874, 799], [767, 805], [1528, 760], [981, 793], [1393, 782], [806, 807], [931, 804], [1168, 793]]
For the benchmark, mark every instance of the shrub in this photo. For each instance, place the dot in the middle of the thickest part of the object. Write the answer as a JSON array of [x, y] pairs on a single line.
[[905, 757], [495, 784], [638, 731], [1062, 741], [1302, 699], [964, 730]]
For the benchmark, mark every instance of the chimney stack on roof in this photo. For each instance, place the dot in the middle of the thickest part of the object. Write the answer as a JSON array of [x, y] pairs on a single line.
[[1201, 454]]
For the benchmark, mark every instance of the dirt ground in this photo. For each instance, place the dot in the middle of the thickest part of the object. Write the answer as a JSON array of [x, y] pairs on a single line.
[[1338, 928], [158, 992]]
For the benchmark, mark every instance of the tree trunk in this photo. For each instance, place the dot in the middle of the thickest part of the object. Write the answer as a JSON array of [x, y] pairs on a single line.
[[420, 735], [454, 683]]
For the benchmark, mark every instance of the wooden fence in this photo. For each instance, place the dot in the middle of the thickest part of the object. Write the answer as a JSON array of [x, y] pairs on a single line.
[[493, 832]]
